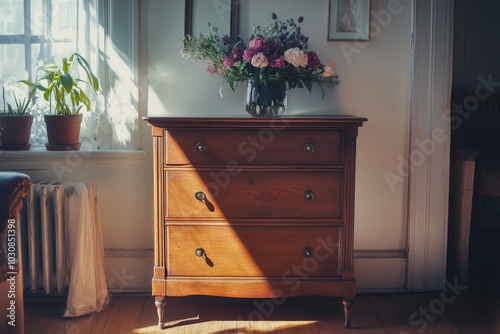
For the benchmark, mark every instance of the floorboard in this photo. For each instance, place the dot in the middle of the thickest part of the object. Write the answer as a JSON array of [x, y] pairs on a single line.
[[466, 312]]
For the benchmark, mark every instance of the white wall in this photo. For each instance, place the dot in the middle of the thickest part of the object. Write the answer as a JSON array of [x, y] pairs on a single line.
[[374, 84]]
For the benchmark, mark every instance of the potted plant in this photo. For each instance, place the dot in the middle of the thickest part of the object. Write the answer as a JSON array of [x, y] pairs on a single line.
[[15, 123], [66, 96]]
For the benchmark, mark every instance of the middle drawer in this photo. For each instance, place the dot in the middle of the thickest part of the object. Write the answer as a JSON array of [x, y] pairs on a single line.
[[253, 194]]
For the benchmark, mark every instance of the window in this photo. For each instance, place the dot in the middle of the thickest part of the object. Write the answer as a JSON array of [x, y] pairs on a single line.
[[37, 32]]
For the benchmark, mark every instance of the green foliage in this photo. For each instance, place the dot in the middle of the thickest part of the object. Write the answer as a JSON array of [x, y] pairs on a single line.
[[62, 89], [22, 106]]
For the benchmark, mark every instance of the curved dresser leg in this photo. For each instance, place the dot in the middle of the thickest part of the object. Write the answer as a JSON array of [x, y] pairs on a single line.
[[347, 311], [160, 308]]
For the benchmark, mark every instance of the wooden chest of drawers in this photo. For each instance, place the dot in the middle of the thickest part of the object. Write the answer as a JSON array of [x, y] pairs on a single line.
[[254, 207]]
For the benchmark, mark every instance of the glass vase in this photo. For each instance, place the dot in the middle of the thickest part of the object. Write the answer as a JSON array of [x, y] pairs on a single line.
[[265, 99]]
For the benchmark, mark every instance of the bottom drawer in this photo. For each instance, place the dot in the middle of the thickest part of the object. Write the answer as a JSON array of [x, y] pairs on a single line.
[[284, 252]]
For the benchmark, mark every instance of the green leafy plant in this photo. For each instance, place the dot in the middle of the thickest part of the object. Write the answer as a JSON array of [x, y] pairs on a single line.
[[22, 106], [64, 91]]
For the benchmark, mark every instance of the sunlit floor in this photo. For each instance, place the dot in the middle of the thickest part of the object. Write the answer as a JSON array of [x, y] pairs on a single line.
[[449, 312]]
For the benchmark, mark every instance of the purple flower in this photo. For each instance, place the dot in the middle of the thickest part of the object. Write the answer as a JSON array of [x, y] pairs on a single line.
[[237, 54], [274, 16], [312, 59], [301, 19], [226, 40]]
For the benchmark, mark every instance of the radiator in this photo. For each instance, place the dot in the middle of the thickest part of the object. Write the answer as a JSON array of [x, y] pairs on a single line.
[[476, 126], [62, 246], [43, 241]]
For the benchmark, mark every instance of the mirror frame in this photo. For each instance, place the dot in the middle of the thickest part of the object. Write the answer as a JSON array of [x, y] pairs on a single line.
[[234, 19]]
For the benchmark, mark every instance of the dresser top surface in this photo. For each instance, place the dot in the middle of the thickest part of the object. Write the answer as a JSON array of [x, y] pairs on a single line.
[[326, 121]]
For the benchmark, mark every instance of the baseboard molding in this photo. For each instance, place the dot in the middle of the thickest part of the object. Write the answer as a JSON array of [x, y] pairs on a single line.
[[129, 269], [379, 254], [113, 253], [380, 271]]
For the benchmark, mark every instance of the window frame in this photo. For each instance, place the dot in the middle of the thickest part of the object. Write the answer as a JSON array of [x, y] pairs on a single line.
[[101, 130]]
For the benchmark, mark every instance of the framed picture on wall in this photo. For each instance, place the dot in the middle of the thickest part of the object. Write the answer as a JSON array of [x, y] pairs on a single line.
[[199, 13], [349, 20]]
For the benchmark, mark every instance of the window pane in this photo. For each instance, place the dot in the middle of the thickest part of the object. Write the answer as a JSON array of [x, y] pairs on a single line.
[[37, 18], [11, 17], [64, 19], [11, 63], [61, 50]]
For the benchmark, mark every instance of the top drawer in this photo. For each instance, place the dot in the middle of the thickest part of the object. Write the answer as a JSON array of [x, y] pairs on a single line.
[[264, 147]]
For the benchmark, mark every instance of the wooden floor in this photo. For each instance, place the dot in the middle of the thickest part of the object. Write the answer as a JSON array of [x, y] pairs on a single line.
[[461, 312]]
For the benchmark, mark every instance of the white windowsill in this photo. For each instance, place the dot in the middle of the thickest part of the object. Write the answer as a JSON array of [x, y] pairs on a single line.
[[42, 159]]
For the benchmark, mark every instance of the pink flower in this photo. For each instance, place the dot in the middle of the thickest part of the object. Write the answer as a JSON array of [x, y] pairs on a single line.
[[312, 59], [248, 55], [278, 62], [259, 60], [211, 68], [256, 43], [296, 57], [228, 61]]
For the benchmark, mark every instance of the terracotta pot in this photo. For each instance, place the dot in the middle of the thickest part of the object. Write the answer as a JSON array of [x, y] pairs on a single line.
[[63, 132], [15, 132]]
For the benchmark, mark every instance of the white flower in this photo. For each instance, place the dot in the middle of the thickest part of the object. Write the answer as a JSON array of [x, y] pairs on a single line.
[[296, 57], [328, 69], [259, 60]]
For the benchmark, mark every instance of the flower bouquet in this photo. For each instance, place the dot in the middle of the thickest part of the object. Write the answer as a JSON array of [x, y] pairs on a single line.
[[275, 59]]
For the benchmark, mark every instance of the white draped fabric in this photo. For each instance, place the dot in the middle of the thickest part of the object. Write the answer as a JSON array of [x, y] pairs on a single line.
[[84, 252]]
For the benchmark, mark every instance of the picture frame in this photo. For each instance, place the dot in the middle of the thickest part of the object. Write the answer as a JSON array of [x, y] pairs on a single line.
[[193, 22], [349, 20]]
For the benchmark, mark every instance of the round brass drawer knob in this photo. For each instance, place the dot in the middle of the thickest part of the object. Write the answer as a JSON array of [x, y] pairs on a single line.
[[309, 148], [200, 147], [199, 252], [309, 196], [200, 195]]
